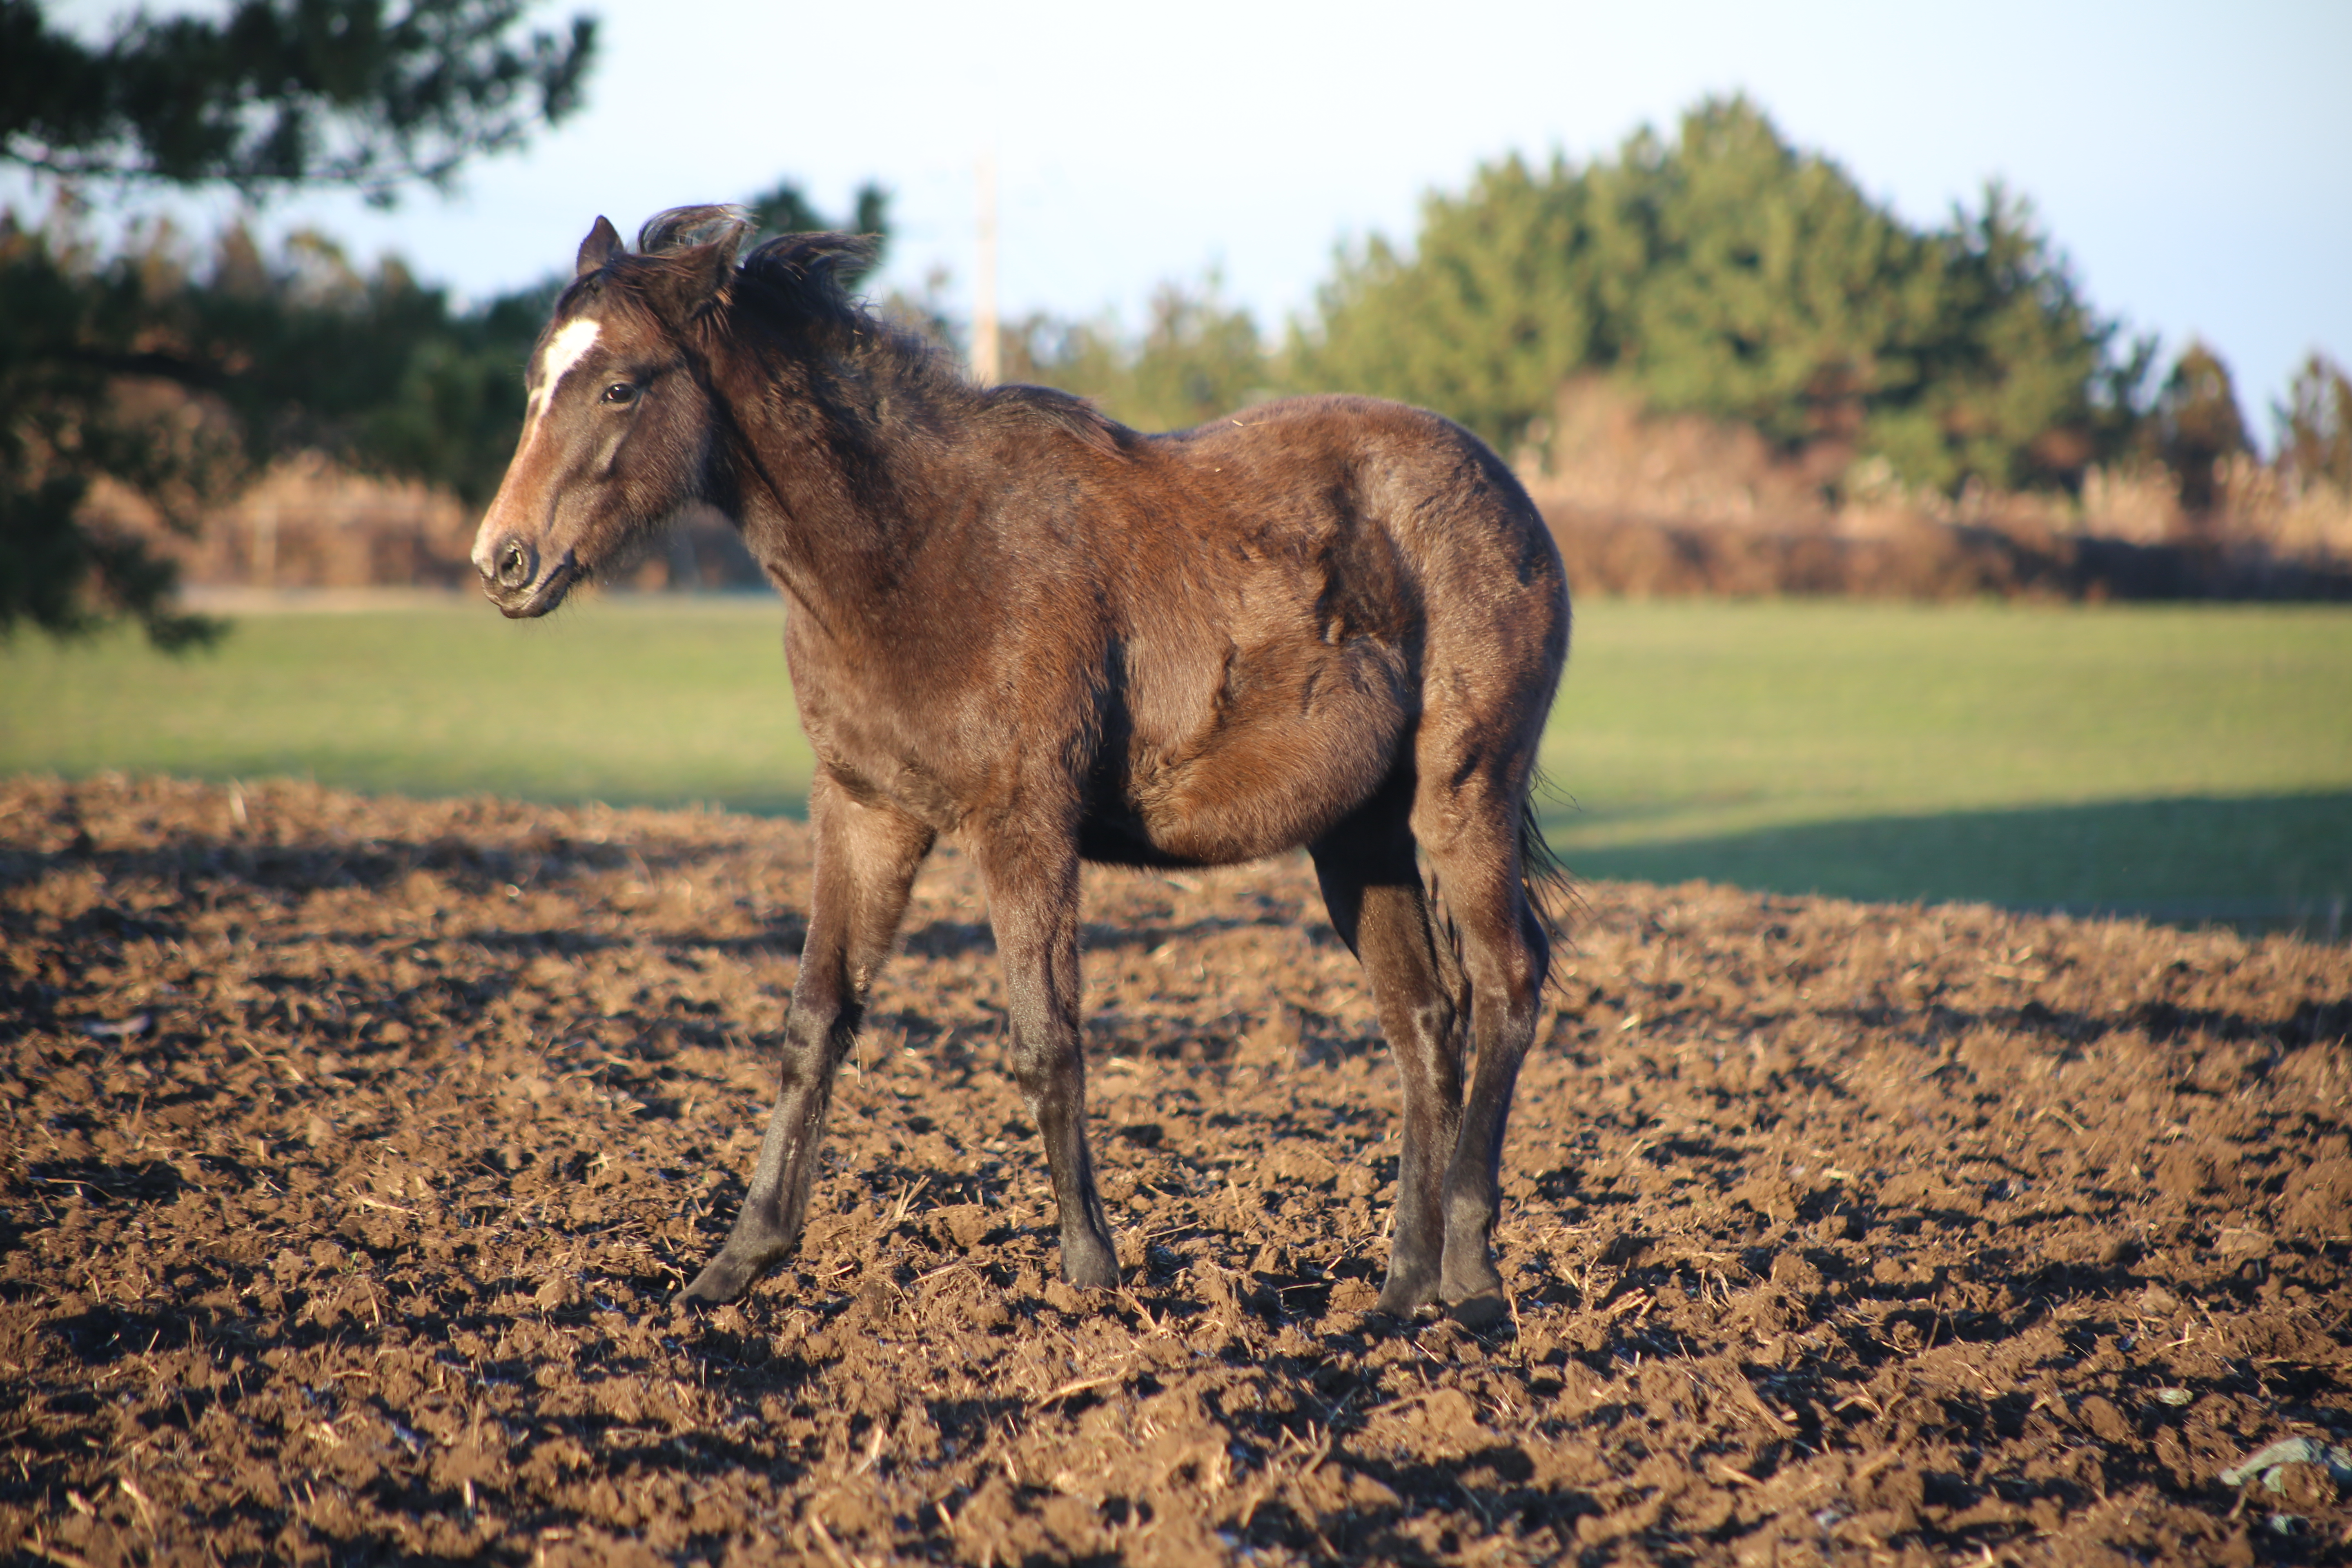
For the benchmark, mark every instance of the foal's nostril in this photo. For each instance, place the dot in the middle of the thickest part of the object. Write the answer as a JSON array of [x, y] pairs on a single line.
[[517, 563]]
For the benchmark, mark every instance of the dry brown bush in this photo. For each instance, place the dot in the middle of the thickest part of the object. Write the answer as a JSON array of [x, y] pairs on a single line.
[[308, 523], [1647, 504]]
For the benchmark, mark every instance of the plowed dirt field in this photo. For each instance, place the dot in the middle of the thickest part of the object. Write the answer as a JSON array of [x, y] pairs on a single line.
[[355, 1148]]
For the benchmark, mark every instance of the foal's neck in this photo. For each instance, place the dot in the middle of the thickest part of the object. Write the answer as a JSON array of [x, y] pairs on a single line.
[[840, 463]]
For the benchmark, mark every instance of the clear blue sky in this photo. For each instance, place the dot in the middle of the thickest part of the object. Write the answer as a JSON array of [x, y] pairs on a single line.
[[2195, 161]]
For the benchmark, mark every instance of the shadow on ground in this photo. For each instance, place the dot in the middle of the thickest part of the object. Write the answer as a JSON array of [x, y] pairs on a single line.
[[2255, 862]]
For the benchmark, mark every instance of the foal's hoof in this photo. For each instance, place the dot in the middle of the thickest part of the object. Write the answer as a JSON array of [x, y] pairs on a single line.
[[1483, 1310], [722, 1280], [1407, 1302], [1472, 1288], [1091, 1271], [1079, 1300]]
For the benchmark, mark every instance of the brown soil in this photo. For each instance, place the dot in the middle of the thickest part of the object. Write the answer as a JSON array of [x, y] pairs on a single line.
[[355, 1148]]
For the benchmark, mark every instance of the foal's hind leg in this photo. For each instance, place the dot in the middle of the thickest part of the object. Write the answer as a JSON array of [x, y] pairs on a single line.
[[1471, 833], [1372, 890], [866, 862]]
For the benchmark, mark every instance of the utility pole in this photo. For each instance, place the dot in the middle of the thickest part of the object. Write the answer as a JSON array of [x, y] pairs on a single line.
[[986, 365], [263, 565]]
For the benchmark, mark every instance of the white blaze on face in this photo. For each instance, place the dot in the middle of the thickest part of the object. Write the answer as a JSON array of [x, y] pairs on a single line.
[[570, 344], [563, 350]]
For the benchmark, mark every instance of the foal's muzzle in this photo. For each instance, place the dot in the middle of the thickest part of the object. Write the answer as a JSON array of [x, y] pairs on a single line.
[[513, 581]]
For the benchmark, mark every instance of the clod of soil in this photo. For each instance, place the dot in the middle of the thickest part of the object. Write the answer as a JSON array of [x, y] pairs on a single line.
[[356, 1147]]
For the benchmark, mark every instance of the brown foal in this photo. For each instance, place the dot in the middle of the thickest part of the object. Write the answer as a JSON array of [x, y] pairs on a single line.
[[1329, 621]]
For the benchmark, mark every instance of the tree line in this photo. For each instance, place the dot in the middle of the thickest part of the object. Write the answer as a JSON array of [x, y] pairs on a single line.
[[1722, 272], [1727, 273]]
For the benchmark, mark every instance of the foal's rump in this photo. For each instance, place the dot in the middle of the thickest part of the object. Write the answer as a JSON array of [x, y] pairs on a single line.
[[1323, 571]]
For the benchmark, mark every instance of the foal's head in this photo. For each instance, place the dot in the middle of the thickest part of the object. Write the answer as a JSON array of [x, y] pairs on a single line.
[[617, 432]]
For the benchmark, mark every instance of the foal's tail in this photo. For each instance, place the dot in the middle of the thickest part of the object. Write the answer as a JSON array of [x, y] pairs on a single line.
[[1551, 886]]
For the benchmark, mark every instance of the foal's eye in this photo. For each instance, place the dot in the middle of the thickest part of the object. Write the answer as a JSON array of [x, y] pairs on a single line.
[[621, 391]]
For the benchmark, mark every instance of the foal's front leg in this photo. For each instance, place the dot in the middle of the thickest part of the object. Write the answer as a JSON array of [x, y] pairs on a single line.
[[1033, 898], [866, 862]]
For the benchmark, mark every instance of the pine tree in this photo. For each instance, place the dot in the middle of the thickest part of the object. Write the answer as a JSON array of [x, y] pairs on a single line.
[[1496, 304], [2197, 424], [2315, 424], [278, 94], [1199, 356]]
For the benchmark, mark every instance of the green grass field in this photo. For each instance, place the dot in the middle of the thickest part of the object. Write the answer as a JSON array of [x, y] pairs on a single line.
[[2188, 763], [628, 700]]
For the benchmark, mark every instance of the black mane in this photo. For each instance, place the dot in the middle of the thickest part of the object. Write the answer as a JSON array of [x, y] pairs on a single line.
[[801, 280], [680, 228], [798, 285], [802, 275]]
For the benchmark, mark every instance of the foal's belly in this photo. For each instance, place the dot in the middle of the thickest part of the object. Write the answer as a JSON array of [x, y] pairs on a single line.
[[1277, 763]]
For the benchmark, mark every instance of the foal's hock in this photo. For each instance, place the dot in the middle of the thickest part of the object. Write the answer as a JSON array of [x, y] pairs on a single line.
[[1329, 621]]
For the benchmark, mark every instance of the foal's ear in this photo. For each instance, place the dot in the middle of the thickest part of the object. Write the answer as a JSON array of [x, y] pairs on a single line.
[[682, 279], [603, 243]]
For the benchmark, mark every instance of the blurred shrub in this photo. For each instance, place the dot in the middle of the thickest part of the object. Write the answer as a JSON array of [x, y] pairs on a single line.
[[178, 377], [1922, 558], [2196, 425], [131, 368], [1199, 356], [2314, 426], [1728, 274], [1644, 502]]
